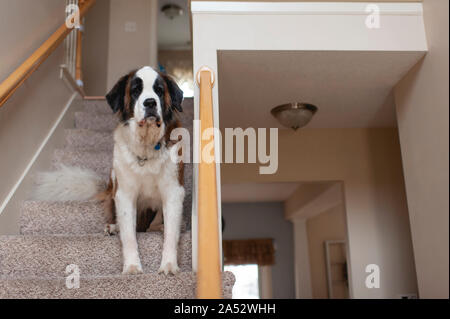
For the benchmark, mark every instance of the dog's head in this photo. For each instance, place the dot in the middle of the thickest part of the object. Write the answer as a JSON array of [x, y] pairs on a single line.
[[147, 97]]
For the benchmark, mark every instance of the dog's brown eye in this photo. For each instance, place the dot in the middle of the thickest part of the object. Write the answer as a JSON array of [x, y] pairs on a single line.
[[159, 90], [135, 91], [136, 88]]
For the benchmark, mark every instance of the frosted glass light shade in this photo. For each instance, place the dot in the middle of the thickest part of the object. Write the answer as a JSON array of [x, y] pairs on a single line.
[[294, 115], [172, 10]]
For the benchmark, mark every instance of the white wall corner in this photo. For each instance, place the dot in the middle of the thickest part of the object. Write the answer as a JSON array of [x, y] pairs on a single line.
[[303, 287]]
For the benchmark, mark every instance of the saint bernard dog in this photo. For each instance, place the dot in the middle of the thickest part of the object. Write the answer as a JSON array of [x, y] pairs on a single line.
[[144, 179]]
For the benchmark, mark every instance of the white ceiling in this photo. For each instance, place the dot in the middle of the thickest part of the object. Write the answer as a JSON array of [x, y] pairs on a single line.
[[257, 192], [351, 88], [176, 33]]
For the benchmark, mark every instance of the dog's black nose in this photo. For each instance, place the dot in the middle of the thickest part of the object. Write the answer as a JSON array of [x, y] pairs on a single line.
[[150, 103]]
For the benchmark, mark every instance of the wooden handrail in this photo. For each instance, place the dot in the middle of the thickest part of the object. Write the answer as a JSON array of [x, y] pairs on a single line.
[[208, 274], [78, 74], [23, 72]]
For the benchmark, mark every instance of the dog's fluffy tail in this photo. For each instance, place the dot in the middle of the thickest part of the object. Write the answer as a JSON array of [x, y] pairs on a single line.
[[67, 184]]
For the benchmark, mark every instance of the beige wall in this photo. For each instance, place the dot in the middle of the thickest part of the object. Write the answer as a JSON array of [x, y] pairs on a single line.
[[422, 99], [131, 50], [95, 49], [28, 116], [24, 25], [330, 225], [368, 162], [310, 199], [108, 50]]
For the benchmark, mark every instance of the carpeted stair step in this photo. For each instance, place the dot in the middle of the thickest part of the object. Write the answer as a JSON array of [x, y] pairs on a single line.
[[98, 161], [146, 286], [69, 218], [95, 121], [95, 255], [88, 140], [96, 106]]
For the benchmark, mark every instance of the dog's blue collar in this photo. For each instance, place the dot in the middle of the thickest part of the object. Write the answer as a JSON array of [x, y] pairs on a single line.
[[158, 147]]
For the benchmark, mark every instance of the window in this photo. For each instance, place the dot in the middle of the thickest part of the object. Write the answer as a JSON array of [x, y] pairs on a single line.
[[246, 286], [178, 63], [250, 261]]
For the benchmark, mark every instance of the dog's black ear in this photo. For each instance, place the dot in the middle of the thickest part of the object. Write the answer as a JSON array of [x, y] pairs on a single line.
[[116, 97], [176, 95]]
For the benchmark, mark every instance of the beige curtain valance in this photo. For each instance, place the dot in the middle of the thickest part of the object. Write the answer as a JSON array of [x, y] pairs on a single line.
[[249, 251]]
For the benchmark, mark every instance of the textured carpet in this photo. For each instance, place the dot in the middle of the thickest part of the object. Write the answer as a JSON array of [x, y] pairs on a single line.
[[54, 235], [146, 286], [82, 139], [94, 254]]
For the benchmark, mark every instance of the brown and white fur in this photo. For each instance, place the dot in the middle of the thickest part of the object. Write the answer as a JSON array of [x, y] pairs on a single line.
[[144, 179]]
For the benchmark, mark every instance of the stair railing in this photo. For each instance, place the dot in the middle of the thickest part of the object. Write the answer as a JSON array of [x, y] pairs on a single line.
[[208, 266], [32, 63]]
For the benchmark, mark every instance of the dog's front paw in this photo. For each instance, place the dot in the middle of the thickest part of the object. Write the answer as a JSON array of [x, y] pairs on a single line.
[[169, 267], [132, 269]]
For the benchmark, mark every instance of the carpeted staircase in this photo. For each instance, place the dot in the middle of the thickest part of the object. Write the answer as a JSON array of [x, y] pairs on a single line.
[[54, 235]]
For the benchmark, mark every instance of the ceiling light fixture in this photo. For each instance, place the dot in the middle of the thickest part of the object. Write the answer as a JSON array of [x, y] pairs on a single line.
[[172, 10], [294, 115]]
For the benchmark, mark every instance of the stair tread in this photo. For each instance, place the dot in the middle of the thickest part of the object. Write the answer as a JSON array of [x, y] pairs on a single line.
[[96, 106], [95, 254], [81, 154], [147, 285], [46, 218], [71, 218], [95, 121], [98, 161], [88, 140]]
